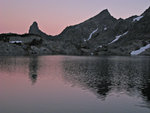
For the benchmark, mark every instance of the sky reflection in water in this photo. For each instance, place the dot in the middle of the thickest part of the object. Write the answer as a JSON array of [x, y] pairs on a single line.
[[64, 84]]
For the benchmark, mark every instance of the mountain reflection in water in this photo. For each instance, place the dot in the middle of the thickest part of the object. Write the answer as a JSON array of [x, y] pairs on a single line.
[[103, 76], [33, 67]]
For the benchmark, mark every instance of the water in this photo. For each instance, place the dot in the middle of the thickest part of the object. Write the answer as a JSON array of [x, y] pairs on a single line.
[[68, 84]]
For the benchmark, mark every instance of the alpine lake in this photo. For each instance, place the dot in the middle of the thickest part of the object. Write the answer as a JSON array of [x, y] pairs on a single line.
[[75, 84]]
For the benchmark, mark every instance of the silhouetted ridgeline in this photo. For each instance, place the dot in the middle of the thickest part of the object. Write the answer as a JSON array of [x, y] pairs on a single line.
[[100, 35]]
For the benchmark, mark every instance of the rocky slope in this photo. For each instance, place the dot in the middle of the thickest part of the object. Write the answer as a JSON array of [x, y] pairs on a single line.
[[27, 44], [100, 35]]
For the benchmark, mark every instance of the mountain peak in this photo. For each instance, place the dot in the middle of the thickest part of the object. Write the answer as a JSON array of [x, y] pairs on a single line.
[[34, 27], [105, 12], [35, 23]]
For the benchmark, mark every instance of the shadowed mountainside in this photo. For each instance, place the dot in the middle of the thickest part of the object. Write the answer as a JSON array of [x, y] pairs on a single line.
[[100, 35]]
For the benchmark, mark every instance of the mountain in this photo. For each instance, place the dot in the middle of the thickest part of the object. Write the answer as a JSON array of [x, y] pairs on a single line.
[[100, 35], [137, 36], [34, 29]]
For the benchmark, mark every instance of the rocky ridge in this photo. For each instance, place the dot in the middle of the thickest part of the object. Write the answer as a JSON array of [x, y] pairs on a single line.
[[100, 35]]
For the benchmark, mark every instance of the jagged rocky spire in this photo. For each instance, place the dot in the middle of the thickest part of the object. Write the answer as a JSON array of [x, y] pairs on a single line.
[[105, 12], [34, 29]]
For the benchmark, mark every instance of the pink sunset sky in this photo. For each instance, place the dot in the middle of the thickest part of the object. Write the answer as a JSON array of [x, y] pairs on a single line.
[[54, 15]]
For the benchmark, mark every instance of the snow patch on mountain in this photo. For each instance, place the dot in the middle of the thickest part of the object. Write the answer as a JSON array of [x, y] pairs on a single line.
[[100, 46], [139, 51], [105, 28], [12, 42], [90, 36], [92, 54], [85, 40], [137, 18], [118, 37]]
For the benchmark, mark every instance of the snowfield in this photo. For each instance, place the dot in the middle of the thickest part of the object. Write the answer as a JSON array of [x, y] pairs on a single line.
[[118, 37], [90, 36], [12, 42], [139, 51], [105, 28], [138, 18]]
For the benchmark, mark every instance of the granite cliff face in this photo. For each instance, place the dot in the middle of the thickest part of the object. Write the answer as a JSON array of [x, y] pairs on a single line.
[[100, 35]]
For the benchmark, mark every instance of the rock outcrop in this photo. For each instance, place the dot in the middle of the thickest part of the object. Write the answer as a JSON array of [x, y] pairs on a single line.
[[27, 44], [34, 29]]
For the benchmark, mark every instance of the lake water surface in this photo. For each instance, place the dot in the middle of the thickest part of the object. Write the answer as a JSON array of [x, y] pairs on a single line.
[[69, 84]]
